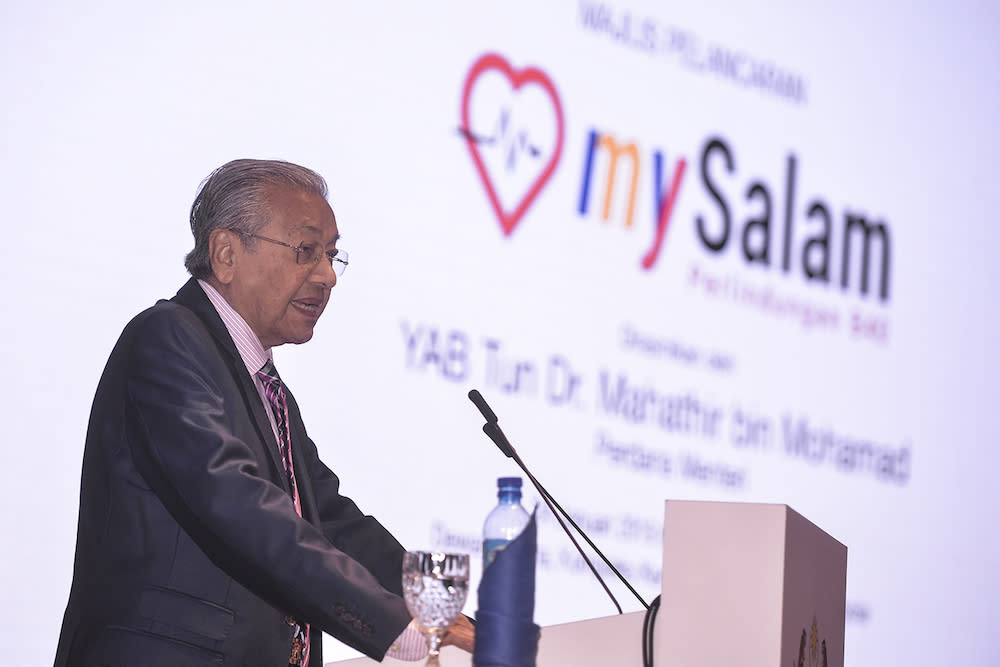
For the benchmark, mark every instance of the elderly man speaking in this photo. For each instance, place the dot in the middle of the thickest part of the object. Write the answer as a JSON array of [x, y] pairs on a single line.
[[210, 532]]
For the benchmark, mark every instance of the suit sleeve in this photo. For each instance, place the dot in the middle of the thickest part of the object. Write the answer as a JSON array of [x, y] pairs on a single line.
[[347, 528], [188, 428]]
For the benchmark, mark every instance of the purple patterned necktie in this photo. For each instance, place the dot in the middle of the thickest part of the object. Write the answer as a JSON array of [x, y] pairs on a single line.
[[279, 405], [275, 393]]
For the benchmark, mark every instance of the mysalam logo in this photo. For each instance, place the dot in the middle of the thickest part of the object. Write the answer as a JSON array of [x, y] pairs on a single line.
[[512, 121]]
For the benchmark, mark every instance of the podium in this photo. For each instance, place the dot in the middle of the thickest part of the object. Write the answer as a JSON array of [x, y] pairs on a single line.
[[749, 584], [743, 584]]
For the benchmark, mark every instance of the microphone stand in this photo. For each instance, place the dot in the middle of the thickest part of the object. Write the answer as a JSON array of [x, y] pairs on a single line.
[[552, 507], [492, 429]]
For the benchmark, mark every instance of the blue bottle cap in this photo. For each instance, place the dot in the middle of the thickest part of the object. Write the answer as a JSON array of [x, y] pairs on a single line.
[[509, 482]]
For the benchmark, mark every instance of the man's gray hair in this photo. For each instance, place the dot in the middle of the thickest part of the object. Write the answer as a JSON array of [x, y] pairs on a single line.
[[234, 197]]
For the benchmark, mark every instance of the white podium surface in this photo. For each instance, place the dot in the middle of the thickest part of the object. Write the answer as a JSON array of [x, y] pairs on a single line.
[[749, 584], [610, 640]]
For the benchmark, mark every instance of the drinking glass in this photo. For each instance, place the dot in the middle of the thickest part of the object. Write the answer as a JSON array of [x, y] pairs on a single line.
[[435, 585]]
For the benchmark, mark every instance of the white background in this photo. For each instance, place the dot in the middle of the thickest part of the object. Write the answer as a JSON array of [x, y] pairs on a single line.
[[113, 112]]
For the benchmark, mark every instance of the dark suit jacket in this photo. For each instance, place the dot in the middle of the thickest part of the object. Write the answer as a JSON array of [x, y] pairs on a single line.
[[189, 550]]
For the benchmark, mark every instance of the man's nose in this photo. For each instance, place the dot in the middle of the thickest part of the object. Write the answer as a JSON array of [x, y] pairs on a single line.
[[323, 272]]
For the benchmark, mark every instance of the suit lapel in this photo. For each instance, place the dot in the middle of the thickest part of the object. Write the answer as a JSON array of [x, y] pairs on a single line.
[[192, 296]]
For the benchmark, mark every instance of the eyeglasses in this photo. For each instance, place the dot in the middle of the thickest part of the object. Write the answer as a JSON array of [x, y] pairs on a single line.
[[310, 253]]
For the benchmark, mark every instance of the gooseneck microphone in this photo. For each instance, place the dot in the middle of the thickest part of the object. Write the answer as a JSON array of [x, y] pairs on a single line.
[[492, 429], [480, 402]]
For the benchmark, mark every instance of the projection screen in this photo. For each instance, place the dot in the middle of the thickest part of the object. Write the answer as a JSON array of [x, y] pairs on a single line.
[[711, 251]]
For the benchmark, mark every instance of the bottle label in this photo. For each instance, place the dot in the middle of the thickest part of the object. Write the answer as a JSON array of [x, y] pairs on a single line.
[[490, 549]]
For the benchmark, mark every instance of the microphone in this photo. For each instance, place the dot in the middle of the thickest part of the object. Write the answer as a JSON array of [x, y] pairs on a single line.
[[484, 408], [492, 429], [500, 440]]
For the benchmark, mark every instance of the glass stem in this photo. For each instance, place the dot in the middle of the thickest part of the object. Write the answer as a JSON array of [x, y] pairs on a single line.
[[434, 648]]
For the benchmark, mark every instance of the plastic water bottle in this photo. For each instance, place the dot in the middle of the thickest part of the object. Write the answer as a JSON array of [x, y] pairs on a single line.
[[506, 520]]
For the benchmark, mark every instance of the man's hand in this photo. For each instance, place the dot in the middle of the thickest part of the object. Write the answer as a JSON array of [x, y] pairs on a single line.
[[462, 634]]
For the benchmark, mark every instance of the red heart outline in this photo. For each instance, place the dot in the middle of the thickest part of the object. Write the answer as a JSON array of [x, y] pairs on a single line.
[[517, 79]]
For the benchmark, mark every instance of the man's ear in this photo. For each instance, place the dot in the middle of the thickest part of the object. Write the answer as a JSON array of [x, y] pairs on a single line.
[[222, 253]]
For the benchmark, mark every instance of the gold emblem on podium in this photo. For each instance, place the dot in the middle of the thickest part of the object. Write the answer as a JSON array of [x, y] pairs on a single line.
[[816, 648]]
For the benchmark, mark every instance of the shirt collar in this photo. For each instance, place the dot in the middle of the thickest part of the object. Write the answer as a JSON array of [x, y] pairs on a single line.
[[251, 351]]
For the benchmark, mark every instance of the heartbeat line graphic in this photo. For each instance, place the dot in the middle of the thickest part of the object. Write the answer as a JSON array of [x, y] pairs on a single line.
[[513, 165], [511, 144]]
